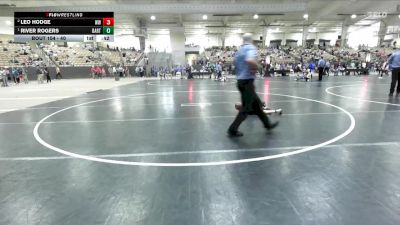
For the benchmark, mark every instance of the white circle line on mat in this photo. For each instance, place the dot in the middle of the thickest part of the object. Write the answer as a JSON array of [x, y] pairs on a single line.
[[192, 164], [182, 85], [328, 90]]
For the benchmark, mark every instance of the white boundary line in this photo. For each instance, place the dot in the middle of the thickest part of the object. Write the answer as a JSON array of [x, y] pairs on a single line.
[[202, 152], [183, 118], [229, 162], [197, 104], [110, 105], [181, 85], [153, 83], [33, 98], [328, 90]]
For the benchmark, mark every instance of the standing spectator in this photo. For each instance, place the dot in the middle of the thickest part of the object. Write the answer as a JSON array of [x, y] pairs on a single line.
[[137, 70], [183, 73], [282, 68], [357, 64], [277, 68], [98, 71], [267, 70], [8, 74], [103, 72], [58, 73], [141, 71], [394, 66], [20, 74], [114, 71], [3, 76], [189, 72], [110, 70], [25, 75], [126, 71], [15, 75], [321, 67], [342, 70], [39, 74], [47, 73], [219, 70], [327, 68], [93, 72], [120, 71], [364, 68]]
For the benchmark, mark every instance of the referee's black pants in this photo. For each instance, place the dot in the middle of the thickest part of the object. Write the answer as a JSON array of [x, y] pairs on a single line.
[[251, 105], [320, 72], [395, 79]]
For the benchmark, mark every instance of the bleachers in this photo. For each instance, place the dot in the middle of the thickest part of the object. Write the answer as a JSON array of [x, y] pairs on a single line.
[[15, 54], [70, 56], [111, 57], [380, 54], [19, 54], [131, 57], [308, 55], [279, 56], [227, 54]]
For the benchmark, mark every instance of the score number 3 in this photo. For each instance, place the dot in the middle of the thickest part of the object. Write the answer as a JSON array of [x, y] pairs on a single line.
[[108, 21]]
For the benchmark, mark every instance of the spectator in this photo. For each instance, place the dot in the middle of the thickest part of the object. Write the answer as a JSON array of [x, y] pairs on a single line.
[[137, 70], [93, 72], [120, 71], [114, 71], [58, 73], [103, 72], [141, 71], [327, 68], [25, 75], [126, 70], [3, 76], [47, 74], [39, 74], [219, 70], [15, 75]]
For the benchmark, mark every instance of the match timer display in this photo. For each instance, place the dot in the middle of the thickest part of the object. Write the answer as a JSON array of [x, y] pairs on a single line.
[[64, 26]]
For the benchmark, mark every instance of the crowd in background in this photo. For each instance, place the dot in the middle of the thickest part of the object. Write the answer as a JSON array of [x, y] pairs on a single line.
[[15, 75], [339, 61], [216, 60]]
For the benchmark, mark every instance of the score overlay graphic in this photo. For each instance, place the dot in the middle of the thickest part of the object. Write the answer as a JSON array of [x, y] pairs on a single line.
[[64, 26]]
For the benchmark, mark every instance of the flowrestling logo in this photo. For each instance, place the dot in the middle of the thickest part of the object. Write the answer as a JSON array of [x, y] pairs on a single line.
[[377, 14]]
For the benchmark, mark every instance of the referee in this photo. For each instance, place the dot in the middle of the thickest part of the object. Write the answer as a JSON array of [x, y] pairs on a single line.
[[246, 67], [321, 68], [394, 65]]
